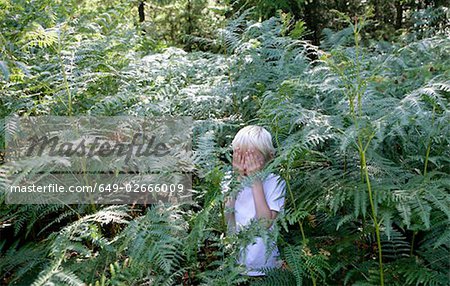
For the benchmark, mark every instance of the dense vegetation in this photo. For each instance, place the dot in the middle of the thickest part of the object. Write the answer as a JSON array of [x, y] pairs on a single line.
[[357, 101]]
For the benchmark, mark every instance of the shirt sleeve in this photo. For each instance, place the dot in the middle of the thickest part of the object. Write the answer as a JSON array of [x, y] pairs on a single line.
[[275, 190]]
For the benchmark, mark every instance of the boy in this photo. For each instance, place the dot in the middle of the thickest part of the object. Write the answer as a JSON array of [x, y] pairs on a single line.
[[252, 149]]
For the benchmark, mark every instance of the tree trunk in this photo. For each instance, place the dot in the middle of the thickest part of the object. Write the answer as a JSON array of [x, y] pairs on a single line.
[[399, 14], [189, 25], [295, 9], [377, 14], [311, 19], [141, 11]]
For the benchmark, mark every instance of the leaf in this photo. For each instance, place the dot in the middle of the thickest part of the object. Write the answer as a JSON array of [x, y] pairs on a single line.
[[4, 69]]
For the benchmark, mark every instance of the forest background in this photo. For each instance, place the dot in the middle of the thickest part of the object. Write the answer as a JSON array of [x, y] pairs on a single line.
[[355, 93]]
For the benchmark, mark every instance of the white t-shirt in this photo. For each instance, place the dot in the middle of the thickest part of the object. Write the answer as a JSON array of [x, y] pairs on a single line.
[[255, 256]]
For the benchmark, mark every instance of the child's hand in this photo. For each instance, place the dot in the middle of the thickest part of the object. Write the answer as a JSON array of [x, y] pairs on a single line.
[[253, 162], [238, 161]]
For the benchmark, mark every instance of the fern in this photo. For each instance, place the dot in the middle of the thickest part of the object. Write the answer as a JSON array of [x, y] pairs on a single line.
[[96, 61]]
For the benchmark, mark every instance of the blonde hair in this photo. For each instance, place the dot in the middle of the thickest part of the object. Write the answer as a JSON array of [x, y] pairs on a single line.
[[257, 137]]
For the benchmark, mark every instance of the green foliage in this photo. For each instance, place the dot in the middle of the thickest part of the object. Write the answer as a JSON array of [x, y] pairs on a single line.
[[386, 101], [180, 22]]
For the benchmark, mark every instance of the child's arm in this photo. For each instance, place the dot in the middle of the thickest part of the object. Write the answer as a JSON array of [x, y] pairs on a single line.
[[262, 208], [263, 212]]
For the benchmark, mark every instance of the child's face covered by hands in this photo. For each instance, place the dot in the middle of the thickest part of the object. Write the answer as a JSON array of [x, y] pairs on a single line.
[[247, 161]]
